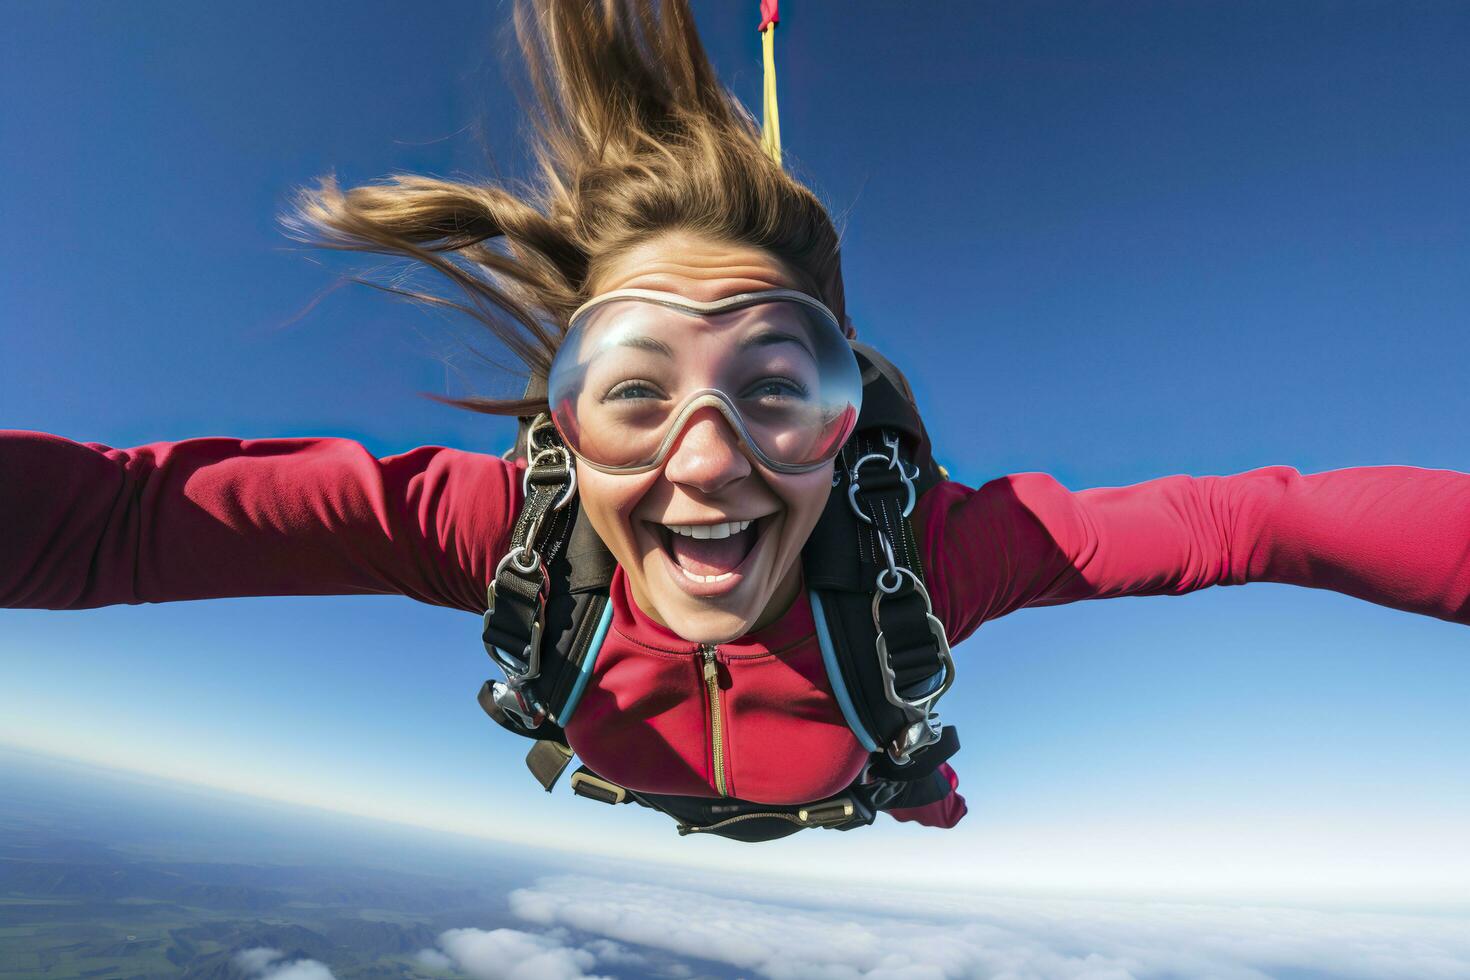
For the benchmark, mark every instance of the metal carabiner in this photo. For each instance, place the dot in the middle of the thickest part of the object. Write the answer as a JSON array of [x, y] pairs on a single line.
[[907, 473], [920, 706], [528, 666], [512, 700], [921, 733], [890, 439], [903, 475], [564, 458], [893, 568], [541, 425]]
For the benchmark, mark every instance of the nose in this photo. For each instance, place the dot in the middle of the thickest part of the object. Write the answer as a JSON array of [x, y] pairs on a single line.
[[706, 455]]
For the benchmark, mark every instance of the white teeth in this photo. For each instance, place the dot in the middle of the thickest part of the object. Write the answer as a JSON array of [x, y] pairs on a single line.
[[709, 530], [707, 578]]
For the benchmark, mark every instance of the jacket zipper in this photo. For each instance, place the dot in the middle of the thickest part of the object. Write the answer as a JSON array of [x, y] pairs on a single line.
[[717, 730]]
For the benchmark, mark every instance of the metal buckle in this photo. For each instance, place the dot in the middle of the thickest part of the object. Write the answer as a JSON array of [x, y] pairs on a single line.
[[529, 566], [528, 666], [915, 737], [594, 788], [512, 701], [926, 703], [525, 668], [923, 704], [561, 459], [925, 729], [542, 434], [891, 461]]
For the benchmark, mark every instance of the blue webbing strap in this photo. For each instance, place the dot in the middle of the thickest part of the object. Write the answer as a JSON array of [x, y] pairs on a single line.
[[834, 676], [588, 663]]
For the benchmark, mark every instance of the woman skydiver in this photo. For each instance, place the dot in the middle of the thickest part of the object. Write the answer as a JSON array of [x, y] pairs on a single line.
[[677, 300]]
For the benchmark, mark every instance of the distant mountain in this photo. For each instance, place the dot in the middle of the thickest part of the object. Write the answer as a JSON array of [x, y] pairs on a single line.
[[52, 879]]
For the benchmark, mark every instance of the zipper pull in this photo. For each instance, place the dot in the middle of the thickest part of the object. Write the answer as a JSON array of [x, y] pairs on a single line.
[[711, 671]]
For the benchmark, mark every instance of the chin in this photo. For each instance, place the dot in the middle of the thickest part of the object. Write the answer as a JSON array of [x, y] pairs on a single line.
[[706, 619], [711, 626]]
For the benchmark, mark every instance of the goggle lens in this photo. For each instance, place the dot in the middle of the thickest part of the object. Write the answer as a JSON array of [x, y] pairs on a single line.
[[634, 368]]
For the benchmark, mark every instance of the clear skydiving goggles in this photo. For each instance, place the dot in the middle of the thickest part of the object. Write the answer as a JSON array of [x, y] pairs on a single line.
[[637, 364]]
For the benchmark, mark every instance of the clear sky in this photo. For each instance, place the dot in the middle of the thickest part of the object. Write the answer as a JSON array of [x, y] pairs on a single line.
[[1109, 242]]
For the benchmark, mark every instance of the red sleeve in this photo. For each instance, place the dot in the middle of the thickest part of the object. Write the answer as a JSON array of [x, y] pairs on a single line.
[[944, 812], [1394, 535], [84, 525]]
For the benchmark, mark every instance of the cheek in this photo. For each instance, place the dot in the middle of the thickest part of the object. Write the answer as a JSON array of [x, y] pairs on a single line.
[[609, 502], [806, 497]]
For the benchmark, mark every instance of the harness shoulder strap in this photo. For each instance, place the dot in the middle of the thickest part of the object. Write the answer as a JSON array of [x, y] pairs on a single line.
[[863, 567], [549, 600]]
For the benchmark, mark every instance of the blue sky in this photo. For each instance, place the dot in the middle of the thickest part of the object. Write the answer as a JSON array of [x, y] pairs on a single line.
[[1109, 243]]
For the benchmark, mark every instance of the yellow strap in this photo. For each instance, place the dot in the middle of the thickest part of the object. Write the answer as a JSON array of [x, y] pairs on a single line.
[[771, 117]]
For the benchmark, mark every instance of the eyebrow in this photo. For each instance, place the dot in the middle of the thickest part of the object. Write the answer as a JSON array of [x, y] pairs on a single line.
[[651, 344], [769, 338]]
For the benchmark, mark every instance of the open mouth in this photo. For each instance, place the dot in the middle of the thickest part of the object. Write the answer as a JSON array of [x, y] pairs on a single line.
[[709, 557]]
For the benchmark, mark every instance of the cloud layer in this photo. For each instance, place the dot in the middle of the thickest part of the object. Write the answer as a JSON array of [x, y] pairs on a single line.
[[814, 934], [263, 963], [509, 954]]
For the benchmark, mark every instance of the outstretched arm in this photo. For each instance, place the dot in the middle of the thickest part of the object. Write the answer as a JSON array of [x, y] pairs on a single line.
[[85, 525], [1394, 535]]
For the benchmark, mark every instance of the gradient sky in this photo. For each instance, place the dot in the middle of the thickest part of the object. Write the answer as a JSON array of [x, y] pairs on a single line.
[[1109, 242]]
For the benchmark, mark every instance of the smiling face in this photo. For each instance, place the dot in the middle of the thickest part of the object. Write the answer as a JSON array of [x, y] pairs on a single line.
[[710, 541]]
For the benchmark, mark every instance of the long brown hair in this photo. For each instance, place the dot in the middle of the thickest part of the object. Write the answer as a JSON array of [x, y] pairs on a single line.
[[633, 136]]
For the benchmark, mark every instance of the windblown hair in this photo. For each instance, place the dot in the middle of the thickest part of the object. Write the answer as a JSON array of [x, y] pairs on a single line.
[[633, 136]]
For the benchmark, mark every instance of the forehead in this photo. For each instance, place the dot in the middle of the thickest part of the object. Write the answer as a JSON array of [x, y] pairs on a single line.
[[695, 268], [639, 322]]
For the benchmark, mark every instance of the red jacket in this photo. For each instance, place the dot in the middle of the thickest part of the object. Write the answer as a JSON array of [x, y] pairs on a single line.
[[84, 525]]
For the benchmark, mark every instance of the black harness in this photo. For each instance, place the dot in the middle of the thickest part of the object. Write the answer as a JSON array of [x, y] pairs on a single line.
[[886, 654]]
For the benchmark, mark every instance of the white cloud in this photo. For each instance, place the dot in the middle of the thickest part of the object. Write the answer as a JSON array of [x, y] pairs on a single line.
[[300, 970], [509, 954], [255, 960], [614, 954], [822, 935], [261, 963], [433, 959]]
